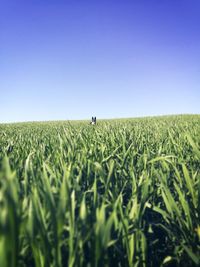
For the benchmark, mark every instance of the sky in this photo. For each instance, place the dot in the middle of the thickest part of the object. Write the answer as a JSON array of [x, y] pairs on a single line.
[[74, 59]]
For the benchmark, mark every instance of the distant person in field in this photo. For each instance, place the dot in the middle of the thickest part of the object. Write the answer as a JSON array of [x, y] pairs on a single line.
[[93, 121]]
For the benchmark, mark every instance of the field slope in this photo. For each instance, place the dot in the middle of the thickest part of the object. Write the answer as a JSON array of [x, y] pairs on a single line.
[[121, 193]]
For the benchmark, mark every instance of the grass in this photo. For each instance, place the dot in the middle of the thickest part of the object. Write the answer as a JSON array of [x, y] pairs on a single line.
[[121, 193]]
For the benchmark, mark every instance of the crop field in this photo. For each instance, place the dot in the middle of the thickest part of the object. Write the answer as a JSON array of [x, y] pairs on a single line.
[[121, 193]]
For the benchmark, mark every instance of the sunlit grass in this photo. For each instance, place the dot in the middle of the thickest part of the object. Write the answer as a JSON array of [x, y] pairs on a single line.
[[121, 193]]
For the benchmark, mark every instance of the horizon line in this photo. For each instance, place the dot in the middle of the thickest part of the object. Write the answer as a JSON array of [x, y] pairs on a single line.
[[113, 118]]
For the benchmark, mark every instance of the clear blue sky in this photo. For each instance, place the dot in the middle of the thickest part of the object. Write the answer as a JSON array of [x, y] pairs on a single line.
[[74, 59]]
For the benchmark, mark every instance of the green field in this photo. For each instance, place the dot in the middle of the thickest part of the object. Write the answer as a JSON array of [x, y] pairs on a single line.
[[121, 193]]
